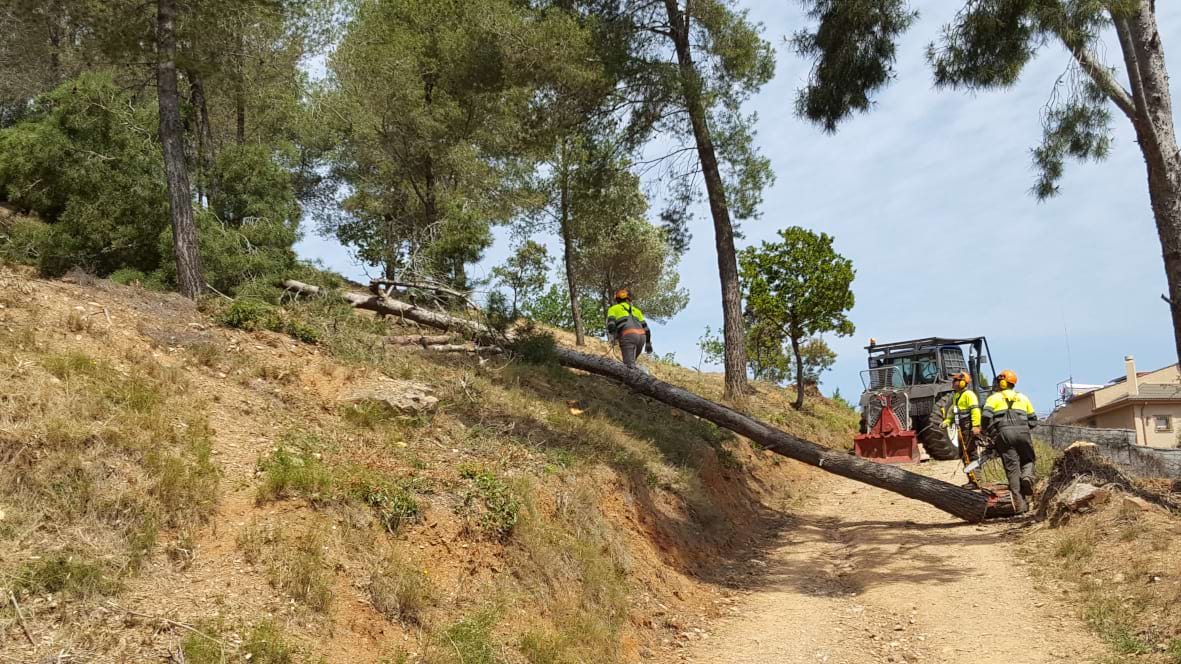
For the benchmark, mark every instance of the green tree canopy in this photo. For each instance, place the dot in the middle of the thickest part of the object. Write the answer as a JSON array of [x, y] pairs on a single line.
[[524, 273], [801, 287], [433, 104]]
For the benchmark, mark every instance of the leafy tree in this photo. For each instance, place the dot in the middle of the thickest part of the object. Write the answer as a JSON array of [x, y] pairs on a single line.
[[553, 308], [632, 253], [712, 348], [85, 160], [987, 46], [816, 357], [433, 104], [684, 70], [801, 286], [46, 42], [524, 273]]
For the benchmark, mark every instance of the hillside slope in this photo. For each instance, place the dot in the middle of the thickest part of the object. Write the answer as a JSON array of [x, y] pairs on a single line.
[[183, 490]]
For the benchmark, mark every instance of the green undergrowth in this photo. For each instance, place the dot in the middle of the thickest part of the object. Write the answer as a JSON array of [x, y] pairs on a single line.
[[296, 470], [213, 641]]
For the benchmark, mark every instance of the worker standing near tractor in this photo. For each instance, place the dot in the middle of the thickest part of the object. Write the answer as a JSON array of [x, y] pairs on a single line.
[[626, 326], [1009, 418], [965, 410]]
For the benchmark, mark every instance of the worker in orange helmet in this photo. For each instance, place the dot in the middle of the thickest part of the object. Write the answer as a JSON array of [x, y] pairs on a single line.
[[1009, 418], [627, 327], [965, 410]]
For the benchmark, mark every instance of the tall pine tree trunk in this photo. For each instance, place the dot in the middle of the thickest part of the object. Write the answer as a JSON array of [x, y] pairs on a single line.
[[567, 233], [205, 153], [732, 328], [240, 91], [180, 196], [1152, 117]]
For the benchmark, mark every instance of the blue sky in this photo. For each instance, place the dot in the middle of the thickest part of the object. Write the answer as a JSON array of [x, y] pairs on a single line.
[[928, 189]]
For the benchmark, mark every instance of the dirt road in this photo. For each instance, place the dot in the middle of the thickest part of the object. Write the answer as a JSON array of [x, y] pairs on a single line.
[[866, 576]]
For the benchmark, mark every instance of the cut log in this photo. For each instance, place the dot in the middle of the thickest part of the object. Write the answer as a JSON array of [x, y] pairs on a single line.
[[418, 340], [968, 505], [464, 348]]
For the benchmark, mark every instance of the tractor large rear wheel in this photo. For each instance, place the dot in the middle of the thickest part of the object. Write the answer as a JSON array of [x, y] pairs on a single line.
[[934, 437]]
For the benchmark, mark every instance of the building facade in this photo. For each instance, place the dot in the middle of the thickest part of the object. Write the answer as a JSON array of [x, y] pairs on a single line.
[[1147, 402]]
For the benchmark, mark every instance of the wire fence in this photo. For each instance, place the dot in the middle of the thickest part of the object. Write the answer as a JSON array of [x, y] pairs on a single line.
[[1118, 446]]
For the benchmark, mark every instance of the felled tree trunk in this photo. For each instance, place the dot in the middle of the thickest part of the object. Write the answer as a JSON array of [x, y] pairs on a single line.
[[967, 505]]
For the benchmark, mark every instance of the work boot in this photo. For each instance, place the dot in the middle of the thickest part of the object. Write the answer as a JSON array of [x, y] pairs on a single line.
[[1027, 487], [1019, 504]]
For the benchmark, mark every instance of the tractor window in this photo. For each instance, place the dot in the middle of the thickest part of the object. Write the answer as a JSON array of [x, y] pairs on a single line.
[[906, 369], [926, 370]]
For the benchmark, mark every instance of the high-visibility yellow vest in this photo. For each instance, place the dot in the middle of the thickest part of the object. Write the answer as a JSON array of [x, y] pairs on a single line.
[[968, 405], [1009, 408], [625, 316]]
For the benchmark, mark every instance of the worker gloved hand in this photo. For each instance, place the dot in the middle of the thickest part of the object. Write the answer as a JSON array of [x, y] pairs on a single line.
[[975, 431], [648, 348]]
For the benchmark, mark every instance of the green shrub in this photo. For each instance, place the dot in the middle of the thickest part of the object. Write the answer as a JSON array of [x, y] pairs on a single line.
[[535, 346], [288, 473], [301, 331], [81, 163], [129, 276], [233, 254], [267, 644], [250, 315], [469, 641], [255, 315], [263, 289], [395, 505], [22, 240], [499, 509], [63, 572]]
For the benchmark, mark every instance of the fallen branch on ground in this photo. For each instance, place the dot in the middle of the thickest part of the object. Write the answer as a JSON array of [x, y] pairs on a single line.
[[963, 503], [418, 340], [20, 617]]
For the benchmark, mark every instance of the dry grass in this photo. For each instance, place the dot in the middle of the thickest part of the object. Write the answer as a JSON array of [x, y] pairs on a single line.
[[296, 565], [115, 454], [1120, 566], [102, 456], [399, 589], [578, 565]]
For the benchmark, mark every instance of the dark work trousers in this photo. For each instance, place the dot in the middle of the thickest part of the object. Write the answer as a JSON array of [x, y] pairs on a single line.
[[1016, 449], [631, 345]]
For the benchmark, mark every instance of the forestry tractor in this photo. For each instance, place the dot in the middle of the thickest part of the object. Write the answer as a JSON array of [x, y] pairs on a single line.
[[907, 386]]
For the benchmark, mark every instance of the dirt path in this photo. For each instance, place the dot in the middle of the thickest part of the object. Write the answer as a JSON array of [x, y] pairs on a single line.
[[867, 577]]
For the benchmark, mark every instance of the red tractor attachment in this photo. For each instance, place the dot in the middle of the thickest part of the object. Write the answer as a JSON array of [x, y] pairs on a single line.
[[889, 439]]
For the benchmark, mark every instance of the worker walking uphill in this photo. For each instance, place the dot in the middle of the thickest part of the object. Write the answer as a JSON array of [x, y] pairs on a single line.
[[626, 326], [1008, 416], [965, 409]]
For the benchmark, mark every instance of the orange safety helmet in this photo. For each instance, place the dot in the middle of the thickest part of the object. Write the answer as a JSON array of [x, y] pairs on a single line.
[[961, 380], [622, 295], [1006, 379]]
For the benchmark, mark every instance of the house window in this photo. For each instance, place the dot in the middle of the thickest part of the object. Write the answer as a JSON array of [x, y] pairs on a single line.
[[1164, 423]]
